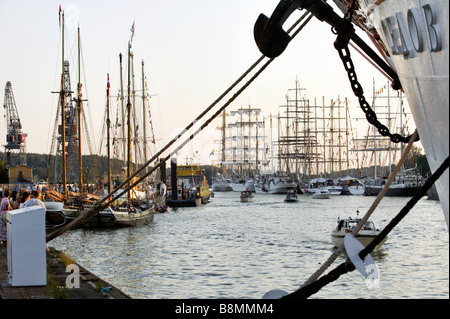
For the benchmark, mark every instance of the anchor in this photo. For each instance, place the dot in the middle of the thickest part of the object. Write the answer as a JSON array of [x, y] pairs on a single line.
[[272, 40], [269, 35]]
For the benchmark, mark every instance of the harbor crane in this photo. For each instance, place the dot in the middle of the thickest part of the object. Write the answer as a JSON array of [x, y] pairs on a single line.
[[15, 138]]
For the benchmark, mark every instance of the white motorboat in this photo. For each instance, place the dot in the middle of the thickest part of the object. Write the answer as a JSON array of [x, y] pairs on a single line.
[[221, 184], [291, 196], [345, 226], [281, 185], [351, 186], [321, 194], [335, 190], [316, 184]]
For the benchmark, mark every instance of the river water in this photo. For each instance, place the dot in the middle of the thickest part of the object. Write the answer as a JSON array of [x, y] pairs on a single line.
[[229, 249]]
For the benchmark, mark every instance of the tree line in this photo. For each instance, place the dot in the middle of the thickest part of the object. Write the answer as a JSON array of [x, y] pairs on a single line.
[[96, 166]]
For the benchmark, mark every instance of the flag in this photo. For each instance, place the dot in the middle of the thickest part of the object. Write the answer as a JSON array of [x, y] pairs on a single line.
[[60, 16]]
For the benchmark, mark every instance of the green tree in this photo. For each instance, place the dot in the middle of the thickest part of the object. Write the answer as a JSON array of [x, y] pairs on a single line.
[[3, 173]]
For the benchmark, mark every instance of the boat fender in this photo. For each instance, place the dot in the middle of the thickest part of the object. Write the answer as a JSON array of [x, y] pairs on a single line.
[[366, 267]]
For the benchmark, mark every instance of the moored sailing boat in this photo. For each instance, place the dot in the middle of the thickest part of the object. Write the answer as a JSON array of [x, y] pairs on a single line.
[[135, 208], [138, 209], [404, 185]]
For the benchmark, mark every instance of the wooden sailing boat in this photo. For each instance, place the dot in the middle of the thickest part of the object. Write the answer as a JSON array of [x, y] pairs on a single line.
[[70, 204], [129, 210]]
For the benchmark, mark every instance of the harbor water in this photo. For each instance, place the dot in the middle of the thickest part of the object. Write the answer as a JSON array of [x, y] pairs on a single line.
[[229, 249]]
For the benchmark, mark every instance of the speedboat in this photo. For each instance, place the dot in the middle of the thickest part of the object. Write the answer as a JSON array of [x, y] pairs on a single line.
[[345, 226], [291, 196], [321, 194]]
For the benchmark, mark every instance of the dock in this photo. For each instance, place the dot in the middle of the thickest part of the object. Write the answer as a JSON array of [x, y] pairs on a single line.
[[91, 287]]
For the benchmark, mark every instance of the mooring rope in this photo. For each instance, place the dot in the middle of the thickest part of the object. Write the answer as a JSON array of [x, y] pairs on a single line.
[[101, 203], [366, 217], [348, 266]]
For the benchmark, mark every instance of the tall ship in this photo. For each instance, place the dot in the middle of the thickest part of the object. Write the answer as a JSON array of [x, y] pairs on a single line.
[[312, 140], [244, 148], [221, 182]]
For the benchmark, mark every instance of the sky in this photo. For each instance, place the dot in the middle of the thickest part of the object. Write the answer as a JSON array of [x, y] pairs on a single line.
[[192, 50]]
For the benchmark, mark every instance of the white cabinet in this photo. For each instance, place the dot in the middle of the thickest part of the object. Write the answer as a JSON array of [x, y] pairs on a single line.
[[26, 251]]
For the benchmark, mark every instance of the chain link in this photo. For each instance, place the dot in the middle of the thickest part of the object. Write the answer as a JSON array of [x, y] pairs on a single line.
[[341, 45]]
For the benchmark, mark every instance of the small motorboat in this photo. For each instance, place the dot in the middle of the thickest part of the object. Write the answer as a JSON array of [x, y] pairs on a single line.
[[246, 196], [321, 193], [291, 196], [345, 226]]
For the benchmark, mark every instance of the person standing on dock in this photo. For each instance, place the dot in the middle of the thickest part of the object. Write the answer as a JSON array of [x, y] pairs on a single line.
[[4, 207], [25, 197], [35, 200]]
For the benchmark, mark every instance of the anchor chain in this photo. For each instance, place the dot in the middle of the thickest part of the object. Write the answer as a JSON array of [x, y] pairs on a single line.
[[343, 32]]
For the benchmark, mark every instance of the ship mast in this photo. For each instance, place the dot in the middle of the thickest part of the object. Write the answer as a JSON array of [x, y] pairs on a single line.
[[129, 123], [108, 137], [122, 107], [63, 115], [144, 116], [79, 104]]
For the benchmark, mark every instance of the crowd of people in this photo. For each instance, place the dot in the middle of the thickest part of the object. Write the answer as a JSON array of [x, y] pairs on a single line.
[[16, 198]]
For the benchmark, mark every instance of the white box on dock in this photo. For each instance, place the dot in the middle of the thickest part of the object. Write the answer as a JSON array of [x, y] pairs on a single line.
[[26, 252]]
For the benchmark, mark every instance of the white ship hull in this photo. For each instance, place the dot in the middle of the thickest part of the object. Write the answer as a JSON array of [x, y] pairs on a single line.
[[240, 187], [262, 188], [222, 187], [335, 190], [423, 72], [364, 238], [356, 190], [282, 188], [321, 194]]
